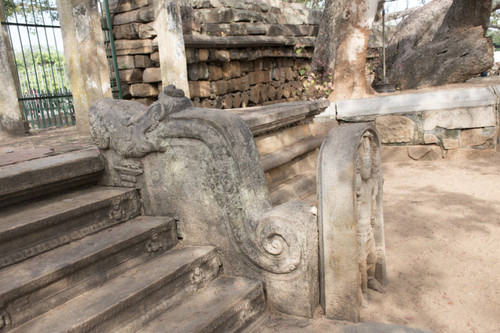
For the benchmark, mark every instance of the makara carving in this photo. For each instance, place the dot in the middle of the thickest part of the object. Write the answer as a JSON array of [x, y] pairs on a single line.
[[352, 245], [202, 167]]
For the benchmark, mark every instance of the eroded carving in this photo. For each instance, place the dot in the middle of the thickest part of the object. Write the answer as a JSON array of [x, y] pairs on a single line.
[[194, 158], [4, 319], [350, 216], [154, 243], [367, 190]]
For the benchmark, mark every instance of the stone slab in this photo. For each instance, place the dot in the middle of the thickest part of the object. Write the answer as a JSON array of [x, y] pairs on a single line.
[[226, 305], [476, 136], [449, 99], [473, 117], [395, 129], [134, 289]]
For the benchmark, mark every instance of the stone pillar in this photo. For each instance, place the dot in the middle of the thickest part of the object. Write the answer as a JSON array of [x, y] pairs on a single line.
[[168, 25], [11, 115], [85, 56]]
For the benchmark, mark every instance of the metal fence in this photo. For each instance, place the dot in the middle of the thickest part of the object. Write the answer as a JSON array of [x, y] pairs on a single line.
[[36, 41]]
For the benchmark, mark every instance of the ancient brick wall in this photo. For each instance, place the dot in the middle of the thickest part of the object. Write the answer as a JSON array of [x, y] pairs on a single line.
[[239, 53]]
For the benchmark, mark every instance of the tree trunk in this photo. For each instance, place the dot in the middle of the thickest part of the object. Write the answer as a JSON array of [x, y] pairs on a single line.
[[349, 80], [440, 43]]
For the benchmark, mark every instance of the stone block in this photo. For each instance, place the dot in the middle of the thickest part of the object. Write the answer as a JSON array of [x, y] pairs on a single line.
[[246, 66], [133, 46], [191, 55], [125, 18], [193, 72], [424, 152], [143, 90], [395, 129], [219, 87], [259, 77], [130, 75], [214, 72], [155, 58], [128, 5], [240, 84], [482, 116], [215, 29], [288, 74], [450, 143], [231, 69], [476, 136], [237, 100], [239, 54], [236, 29], [125, 62], [430, 138], [126, 31], [256, 29], [254, 95], [146, 31], [199, 89], [142, 61], [203, 55], [152, 74], [227, 102], [147, 14], [222, 55]]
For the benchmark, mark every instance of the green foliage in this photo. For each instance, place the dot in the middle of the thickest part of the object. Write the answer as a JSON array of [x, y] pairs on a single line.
[[38, 58], [31, 11]]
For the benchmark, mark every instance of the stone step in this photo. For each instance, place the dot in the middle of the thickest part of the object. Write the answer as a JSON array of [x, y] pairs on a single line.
[[140, 294], [39, 284], [299, 187], [29, 229], [226, 305], [40, 177]]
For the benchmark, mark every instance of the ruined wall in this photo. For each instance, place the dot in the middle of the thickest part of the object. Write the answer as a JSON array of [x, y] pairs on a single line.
[[239, 53]]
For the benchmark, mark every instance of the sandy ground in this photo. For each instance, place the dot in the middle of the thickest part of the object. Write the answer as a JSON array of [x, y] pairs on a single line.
[[442, 221]]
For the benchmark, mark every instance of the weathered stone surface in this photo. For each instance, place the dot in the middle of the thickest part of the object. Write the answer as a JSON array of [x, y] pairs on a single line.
[[200, 88], [395, 129], [259, 77], [424, 152], [146, 31], [152, 74], [213, 160], [147, 14], [143, 90], [134, 46], [240, 84], [203, 55], [430, 138], [350, 218], [450, 143], [215, 72], [125, 62], [461, 118], [476, 136], [220, 87], [130, 75], [231, 69], [142, 61], [127, 17], [471, 154], [126, 31], [461, 99]]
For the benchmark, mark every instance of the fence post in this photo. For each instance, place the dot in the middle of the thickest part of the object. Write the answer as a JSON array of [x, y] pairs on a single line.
[[173, 64], [85, 56], [11, 115]]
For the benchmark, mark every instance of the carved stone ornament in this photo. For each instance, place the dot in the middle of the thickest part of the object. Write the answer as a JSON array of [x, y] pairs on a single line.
[[350, 217], [202, 166]]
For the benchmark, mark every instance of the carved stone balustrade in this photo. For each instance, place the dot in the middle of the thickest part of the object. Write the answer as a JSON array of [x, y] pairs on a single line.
[[201, 166]]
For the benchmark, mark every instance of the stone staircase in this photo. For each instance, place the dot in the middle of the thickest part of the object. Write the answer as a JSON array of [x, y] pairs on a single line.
[[78, 257]]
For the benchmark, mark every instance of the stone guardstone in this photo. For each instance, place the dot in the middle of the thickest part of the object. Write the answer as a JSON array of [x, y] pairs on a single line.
[[202, 167], [483, 116], [395, 129], [350, 219]]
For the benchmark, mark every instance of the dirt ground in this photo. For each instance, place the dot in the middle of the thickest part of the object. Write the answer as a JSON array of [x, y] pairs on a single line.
[[442, 226]]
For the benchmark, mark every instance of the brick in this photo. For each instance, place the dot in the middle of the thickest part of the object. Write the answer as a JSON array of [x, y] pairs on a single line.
[[125, 62], [259, 77], [246, 66], [131, 46], [244, 99], [223, 55], [254, 95], [237, 100], [214, 29], [199, 89], [238, 54], [227, 102], [219, 87], [152, 74], [147, 14], [238, 29], [126, 31], [146, 31], [256, 29], [203, 55], [142, 61], [215, 72], [155, 58], [130, 75], [125, 18], [231, 69], [143, 90], [191, 56], [240, 84], [203, 71]]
